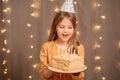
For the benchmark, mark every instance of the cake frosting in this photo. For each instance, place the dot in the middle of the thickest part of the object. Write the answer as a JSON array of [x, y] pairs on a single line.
[[67, 62]]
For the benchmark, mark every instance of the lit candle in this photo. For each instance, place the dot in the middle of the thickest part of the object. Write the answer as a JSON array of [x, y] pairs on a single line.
[[71, 49], [79, 50], [74, 51], [69, 52]]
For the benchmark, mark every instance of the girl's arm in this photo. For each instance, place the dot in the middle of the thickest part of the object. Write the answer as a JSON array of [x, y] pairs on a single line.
[[44, 72]]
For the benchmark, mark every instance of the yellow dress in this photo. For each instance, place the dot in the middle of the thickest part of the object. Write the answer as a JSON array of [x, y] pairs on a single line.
[[47, 51]]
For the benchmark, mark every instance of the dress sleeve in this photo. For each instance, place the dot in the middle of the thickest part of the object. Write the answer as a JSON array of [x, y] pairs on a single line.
[[43, 59]]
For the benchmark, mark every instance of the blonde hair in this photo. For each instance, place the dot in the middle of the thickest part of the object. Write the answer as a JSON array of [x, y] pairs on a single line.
[[57, 19]]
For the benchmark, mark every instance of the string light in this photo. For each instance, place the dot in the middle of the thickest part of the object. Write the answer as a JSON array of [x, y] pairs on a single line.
[[51, 0], [100, 38], [96, 45], [30, 57], [31, 36], [98, 68], [96, 28], [31, 46], [48, 32], [103, 78], [32, 5], [118, 44], [8, 21], [75, 2], [78, 33], [56, 9], [35, 14], [3, 20], [34, 66], [30, 77], [97, 58], [5, 71], [5, 42], [4, 62], [3, 30], [28, 25], [8, 51], [3, 49], [98, 5], [7, 10], [103, 17], [5, 0], [118, 65]]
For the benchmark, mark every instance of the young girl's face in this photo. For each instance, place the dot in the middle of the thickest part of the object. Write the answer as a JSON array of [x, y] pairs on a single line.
[[64, 30]]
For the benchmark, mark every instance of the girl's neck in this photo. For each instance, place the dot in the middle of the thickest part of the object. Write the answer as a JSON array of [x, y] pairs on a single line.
[[60, 43]]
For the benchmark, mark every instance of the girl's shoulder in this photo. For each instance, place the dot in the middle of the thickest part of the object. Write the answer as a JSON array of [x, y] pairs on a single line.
[[48, 43], [80, 44]]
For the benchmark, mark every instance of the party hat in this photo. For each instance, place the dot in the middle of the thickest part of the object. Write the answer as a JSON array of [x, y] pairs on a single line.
[[68, 6]]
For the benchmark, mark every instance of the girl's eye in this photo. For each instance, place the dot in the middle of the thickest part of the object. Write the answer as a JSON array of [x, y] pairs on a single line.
[[61, 26], [70, 27]]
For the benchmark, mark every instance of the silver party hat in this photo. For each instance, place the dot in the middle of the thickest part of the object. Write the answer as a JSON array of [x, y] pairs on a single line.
[[68, 6]]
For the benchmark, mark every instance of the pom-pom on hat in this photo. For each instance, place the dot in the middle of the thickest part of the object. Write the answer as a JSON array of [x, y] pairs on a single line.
[[68, 6]]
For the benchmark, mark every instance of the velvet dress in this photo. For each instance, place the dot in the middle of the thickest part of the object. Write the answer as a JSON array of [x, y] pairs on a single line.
[[47, 51]]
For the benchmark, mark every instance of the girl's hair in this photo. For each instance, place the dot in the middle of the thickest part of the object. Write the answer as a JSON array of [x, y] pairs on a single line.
[[57, 19]]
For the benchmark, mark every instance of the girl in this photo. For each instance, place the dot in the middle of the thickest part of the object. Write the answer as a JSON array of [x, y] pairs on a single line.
[[63, 34]]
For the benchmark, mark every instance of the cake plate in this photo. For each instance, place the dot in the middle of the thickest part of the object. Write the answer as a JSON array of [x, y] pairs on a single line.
[[82, 68]]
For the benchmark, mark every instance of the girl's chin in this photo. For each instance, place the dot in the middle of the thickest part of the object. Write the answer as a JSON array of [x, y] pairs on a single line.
[[65, 40]]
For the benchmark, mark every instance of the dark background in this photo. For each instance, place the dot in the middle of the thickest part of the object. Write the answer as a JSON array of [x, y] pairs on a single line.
[[20, 66]]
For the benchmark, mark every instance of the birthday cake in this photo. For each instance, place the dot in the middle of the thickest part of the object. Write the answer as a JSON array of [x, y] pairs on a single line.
[[67, 62]]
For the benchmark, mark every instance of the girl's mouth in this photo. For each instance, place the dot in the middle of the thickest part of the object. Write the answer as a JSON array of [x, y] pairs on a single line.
[[65, 35]]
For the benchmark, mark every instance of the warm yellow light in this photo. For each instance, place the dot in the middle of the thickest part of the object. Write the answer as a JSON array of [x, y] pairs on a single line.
[[3, 30], [32, 5], [103, 78], [78, 33], [8, 79], [118, 65], [3, 49], [31, 36], [3, 20], [5, 0], [103, 17], [6, 69], [51, 0], [118, 44], [30, 77], [48, 32], [34, 66], [35, 14], [30, 57], [35, 5], [28, 25], [5, 42], [8, 21], [96, 45], [76, 22], [8, 51], [98, 68], [96, 28], [75, 2], [56, 9], [7, 10], [98, 5], [4, 72], [31, 46], [97, 57], [32, 14], [100, 38], [4, 62]]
